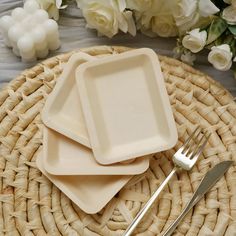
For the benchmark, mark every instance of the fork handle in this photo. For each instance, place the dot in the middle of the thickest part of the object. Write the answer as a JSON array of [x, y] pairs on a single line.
[[147, 206]]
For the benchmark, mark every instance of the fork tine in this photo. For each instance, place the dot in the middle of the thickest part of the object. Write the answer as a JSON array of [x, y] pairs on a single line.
[[195, 139], [190, 137], [185, 147], [194, 151], [200, 149]]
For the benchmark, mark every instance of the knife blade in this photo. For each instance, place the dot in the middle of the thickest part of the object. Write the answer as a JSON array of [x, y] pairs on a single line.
[[209, 180]]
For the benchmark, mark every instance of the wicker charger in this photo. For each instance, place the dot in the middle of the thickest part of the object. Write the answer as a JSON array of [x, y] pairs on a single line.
[[31, 205]]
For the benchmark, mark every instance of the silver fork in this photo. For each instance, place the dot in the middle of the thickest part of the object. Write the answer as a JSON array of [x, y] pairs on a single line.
[[185, 158]]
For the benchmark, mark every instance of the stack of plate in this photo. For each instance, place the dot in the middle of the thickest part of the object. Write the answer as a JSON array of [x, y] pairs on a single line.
[[103, 120]]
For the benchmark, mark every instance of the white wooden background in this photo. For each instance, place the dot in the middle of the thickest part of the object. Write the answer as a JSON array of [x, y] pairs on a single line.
[[75, 35]]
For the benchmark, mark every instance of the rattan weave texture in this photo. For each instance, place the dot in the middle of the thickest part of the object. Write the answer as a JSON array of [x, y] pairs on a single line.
[[32, 205]]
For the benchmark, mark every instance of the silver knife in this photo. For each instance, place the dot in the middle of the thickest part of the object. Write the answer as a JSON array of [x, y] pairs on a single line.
[[206, 184]]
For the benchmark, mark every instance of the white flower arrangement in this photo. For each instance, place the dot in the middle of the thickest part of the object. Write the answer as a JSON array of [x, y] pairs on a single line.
[[198, 24]]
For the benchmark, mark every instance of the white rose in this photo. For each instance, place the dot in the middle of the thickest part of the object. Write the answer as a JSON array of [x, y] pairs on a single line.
[[229, 14], [153, 20], [101, 18], [164, 25], [188, 13], [144, 18], [139, 5], [185, 15], [107, 18], [207, 8], [195, 40], [221, 57]]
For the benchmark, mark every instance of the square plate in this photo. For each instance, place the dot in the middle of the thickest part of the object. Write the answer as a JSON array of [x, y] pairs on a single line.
[[63, 156], [62, 111], [126, 106], [90, 193]]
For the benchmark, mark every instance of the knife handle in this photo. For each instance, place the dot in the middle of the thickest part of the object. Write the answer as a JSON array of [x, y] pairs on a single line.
[[185, 211], [206, 184]]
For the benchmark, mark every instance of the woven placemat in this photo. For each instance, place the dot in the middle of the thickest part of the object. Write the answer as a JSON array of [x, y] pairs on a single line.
[[31, 205]]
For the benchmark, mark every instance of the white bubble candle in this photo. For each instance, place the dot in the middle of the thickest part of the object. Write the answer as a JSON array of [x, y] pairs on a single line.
[[29, 32]]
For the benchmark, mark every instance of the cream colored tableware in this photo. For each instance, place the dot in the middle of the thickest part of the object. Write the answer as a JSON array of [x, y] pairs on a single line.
[[62, 111], [90, 193], [126, 106], [63, 156]]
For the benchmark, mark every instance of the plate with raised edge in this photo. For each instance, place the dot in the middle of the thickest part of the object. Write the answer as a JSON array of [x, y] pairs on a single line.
[[62, 111], [126, 106], [64, 156], [90, 193]]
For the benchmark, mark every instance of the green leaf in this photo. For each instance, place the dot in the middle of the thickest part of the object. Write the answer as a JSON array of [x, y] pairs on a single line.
[[216, 29], [232, 29], [229, 39], [233, 47], [219, 40]]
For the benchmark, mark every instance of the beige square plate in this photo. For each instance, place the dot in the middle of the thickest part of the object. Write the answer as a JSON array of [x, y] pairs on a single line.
[[62, 111], [126, 106], [63, 156], [90, 193]]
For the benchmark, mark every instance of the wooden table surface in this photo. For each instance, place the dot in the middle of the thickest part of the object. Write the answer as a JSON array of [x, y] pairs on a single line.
[[75, 35]]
